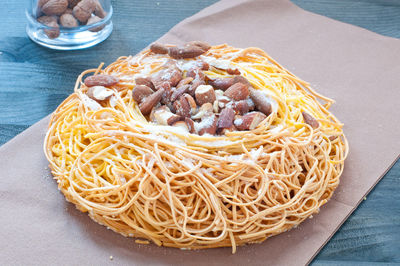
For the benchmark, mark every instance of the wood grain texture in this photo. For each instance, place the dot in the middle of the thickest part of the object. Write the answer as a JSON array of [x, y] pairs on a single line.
[[381, 16], [34, 80]]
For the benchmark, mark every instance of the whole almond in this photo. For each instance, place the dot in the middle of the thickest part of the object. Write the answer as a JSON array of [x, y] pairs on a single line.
[[196, 83], [84, 9], [208, 125], [55, 7], [237, 91], [158, 48], [139, 92], [54, 32], [42, 3], [226, 117], [93, 20], [172, 75], [50, 21], [144, 81], [221, 83], [205, 94], [68, 21], [261, 101], [203, 45], [184, 82], [47, 19], [177, 92], [185, 105], [167, 93], [150, 101], [185, 52], [68, 11], [101, 80], [241, 79], [308, 119], [241, 107], [182, 107], [249, 121], [98, 10], [73, 3], [190, 124]]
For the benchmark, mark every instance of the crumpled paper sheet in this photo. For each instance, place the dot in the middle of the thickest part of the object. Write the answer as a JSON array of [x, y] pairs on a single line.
[[357, 68]]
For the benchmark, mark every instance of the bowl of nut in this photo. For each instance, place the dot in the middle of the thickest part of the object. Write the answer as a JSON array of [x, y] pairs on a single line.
[[69, 24]]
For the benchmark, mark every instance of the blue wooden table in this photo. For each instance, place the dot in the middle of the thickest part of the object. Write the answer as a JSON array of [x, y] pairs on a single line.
[[34, 80]]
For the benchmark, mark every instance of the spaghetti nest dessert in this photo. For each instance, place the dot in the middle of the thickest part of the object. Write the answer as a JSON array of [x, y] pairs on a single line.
[[196, 146]]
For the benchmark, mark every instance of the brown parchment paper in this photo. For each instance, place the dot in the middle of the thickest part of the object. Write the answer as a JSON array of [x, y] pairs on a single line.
[[358, 68]]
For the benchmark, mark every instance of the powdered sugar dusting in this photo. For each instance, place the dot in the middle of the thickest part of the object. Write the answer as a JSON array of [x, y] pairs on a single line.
[[238, 122], [206, 122], [218, 63], [144, 72], [167, 75], [213, 143], [185, 65]]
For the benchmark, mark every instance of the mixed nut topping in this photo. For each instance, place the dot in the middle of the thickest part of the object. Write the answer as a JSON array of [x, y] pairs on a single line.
[[190, 99]]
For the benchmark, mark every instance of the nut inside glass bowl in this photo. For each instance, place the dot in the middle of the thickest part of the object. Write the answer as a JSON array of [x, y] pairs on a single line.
[[69, 24]]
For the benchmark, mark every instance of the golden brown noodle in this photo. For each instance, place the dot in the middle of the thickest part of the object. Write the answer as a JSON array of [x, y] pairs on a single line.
[[190, 191]]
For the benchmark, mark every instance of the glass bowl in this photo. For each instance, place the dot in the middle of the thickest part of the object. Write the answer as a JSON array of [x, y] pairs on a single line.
[[63, 38]]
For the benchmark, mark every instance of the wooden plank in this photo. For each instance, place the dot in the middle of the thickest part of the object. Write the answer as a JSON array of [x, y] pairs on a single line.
[[372, 232], [371, 235], [381, 16], [26, 77], [28, 107], [9, 131]]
